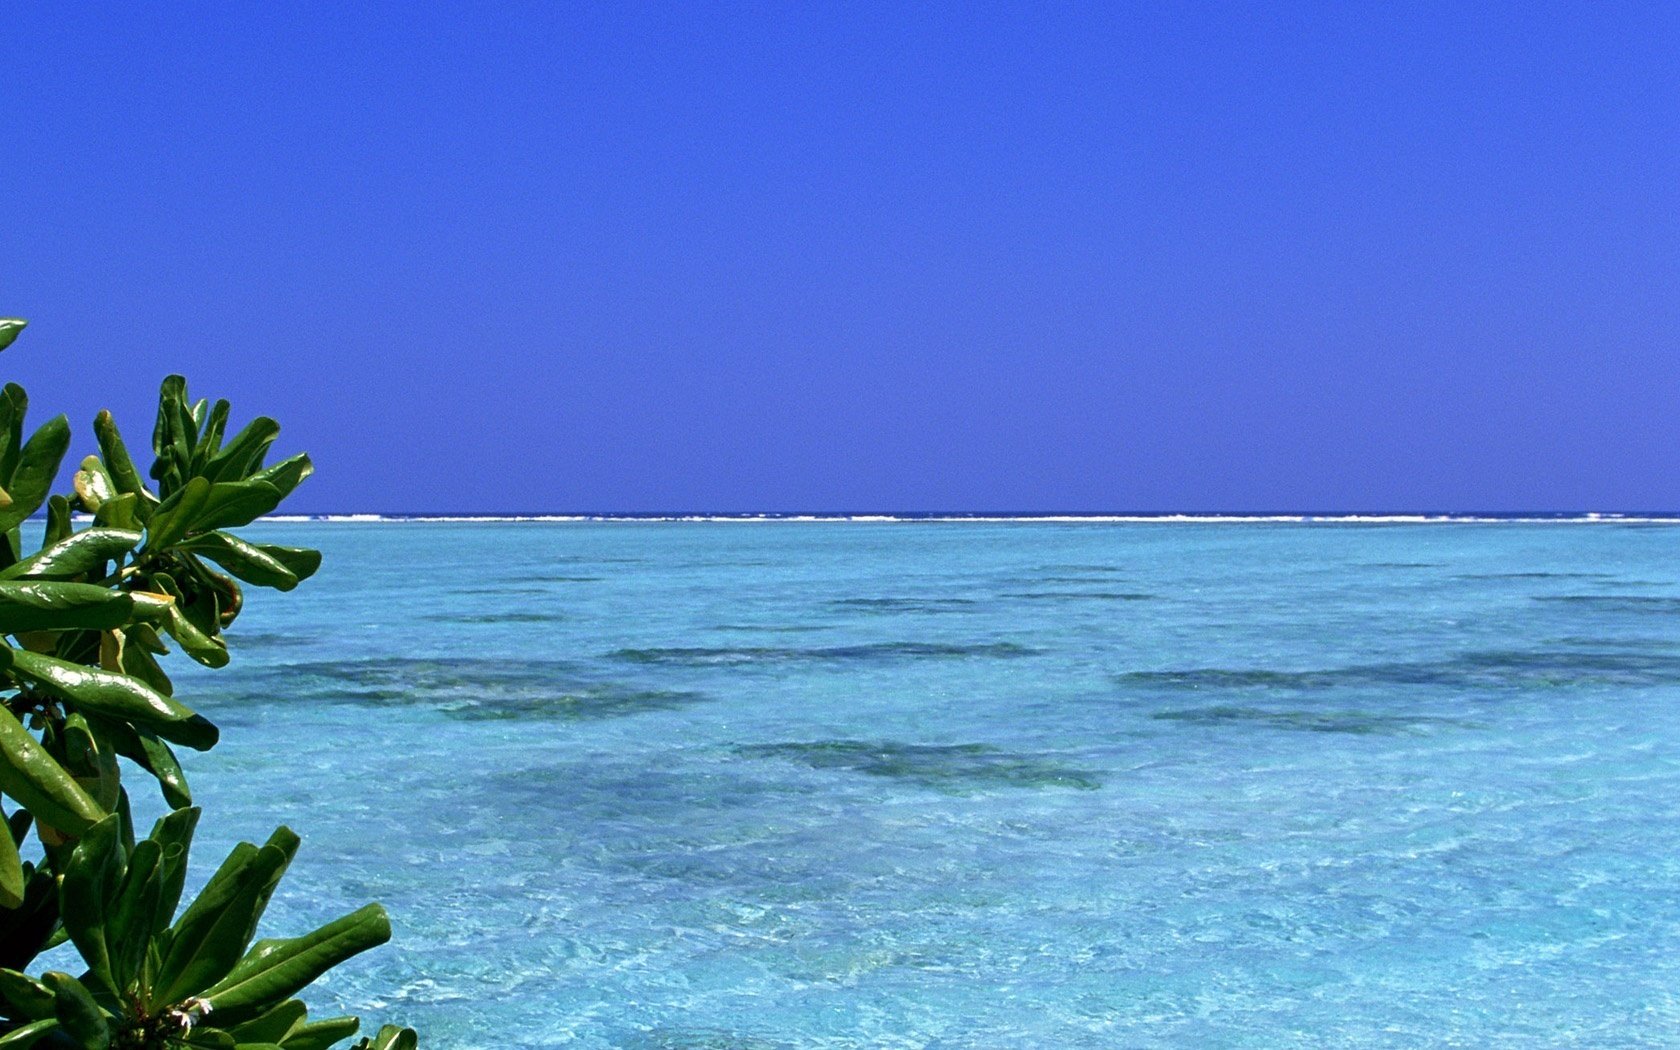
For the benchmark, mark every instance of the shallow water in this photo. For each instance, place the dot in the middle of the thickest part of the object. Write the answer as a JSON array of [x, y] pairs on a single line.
[[974, 784]]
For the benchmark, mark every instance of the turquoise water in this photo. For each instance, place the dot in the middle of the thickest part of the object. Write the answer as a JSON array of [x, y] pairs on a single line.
[[975, 785]]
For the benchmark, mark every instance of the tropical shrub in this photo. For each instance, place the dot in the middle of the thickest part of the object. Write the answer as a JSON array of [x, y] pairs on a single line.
[[83, 621]]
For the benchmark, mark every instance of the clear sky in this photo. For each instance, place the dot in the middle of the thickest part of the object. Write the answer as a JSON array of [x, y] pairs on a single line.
[[782, 256]]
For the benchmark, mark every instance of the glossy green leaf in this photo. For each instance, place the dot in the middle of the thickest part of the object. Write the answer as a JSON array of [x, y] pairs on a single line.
[[11, 873], [213, 934], [35, 779], [9, 329], [322, 1034], [210, 441], [116, 695], [30, 1034], [230, 504], [14, 404], [46, 605], [248, 561], [277, 969], [124, 475], [144, 749], [244, 451], [175, 516], [391, 1037], [169, 611], [134, 918], [204, 1038], [172, 436], [78, 1014], [85, 551], [58, 521], [36, 468], [273, 1025], [287, 474], [92, 484], [89, 888], [25, 996], [119, 512]]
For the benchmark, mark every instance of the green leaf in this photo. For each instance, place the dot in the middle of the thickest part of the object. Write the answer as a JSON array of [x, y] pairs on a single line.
[[167, 609], [29, 1035], [391, 1037], [273, 1025], [144, 749], [83, 552], [212, 935], [116, 695], [114, 452], [120, 512], [9, 329], [93, 485], [322, 1034], [174, 517], [134, 915], [287, 474], [173, 436], [44, 605], [34, 778], [14, 405], [36, 468], [83, 1021], [244, 451], [92, 878], [230, 504], [11, 874], [58, 521], [248, 561], [26, 996], [210, 442], [276, 969]]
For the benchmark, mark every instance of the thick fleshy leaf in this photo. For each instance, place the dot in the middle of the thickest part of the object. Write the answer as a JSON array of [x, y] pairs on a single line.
[[174, 517], [391, 1037], [145, 750], [11, 873], [48, 605], [210, 441], [166, 610], [243, 452], [29, 774], [287, 474], [93, 485], [9, 329], [121, 512], [273, 1025], [92, 878], [78, 1014], [322, 1034], [230, 504], [248, 561], [134, 918], [26, 996], [30, 1034], [85, 551], [277, 969], [114, 452], [58, 521], [115, 695], [14, 404], [36, 468], [213, 934], [173, 436]]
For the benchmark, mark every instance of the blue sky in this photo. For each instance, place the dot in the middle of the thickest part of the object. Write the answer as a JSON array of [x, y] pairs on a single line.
[[910, 257]]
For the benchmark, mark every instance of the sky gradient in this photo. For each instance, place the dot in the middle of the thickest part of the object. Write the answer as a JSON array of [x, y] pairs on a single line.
[[857, 257]]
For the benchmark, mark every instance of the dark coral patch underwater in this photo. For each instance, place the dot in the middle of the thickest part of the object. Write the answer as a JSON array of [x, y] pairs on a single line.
[[948, 767]]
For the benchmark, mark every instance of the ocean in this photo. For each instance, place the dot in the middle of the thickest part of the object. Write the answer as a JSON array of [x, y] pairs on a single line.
[[972, 783]]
